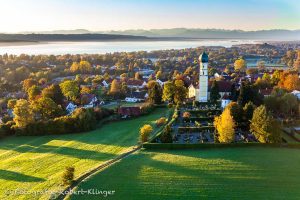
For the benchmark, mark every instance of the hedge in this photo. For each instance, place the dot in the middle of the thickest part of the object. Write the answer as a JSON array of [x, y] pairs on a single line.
[[195, 129], [173, 146]]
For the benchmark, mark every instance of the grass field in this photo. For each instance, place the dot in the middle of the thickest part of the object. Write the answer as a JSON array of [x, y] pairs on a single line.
[[232, 173], [37, 163]]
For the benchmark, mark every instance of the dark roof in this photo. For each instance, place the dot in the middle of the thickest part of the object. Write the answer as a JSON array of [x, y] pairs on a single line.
[[130, 111], [203, 57]]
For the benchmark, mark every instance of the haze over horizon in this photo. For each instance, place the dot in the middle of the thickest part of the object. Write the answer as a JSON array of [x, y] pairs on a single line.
[[106, 15]]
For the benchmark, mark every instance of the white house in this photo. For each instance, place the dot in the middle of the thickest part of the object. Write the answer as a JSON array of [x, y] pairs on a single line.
[[296, 93], [71, 107], [105, 84]]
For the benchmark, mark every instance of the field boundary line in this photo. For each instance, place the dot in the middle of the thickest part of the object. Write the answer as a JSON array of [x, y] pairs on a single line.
[[62, 195]]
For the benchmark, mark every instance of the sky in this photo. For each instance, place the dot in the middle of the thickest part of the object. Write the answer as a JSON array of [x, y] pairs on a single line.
[[103, 15]]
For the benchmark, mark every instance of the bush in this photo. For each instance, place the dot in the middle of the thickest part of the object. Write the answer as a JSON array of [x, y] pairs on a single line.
[[101, 113], [81, 120], [145, 132], [68, 175], [161, 121], [166, 136], [147, 108], [6, 129]]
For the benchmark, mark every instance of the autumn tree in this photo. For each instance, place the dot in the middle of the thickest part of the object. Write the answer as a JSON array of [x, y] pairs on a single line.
[[145, 132], [33, 92], [28, 83], [180, 92], [264, 127], [225, 126], [81, 67], [297, 62], [70, 89], [54, 92], [46, 108], [168, 91], [23, 114], [289, 81], [11, 103], [137, 76], [240, 65]]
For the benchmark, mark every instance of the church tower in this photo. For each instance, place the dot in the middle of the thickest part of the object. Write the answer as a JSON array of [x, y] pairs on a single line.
[[203, 78]]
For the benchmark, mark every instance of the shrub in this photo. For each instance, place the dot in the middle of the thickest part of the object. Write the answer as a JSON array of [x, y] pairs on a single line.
[[101, 113], [6, 129], [145, 132], [68, 175], [166, 136], [161, 121], [147, 108]]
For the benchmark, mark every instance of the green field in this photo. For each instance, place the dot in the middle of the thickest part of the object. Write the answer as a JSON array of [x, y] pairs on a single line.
[[231, 173], [36, 163]]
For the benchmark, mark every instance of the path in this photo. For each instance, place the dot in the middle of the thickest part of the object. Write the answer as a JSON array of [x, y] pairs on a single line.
[[65, 192]]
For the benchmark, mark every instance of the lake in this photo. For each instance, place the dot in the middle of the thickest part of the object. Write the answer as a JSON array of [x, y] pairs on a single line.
[[97, 47]]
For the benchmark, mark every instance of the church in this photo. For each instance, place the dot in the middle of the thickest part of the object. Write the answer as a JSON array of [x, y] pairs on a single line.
[[201, 92]]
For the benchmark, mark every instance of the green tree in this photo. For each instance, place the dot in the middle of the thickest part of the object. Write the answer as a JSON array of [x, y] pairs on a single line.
[[23, 113], [166, 136], [155, 94], [214, 92], [54, 92], [264, 127], [68, 176], [46, 108], [168, 91], [180, 92], [70, 89], [33, 92], [236, 112], [11, 103]]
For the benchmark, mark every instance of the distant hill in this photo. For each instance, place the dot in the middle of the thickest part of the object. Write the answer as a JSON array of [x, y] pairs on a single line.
[[67, 37], [215, 33], [153, 34]]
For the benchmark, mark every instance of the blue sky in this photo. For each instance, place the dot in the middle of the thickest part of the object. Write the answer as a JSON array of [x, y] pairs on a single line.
[[41, 15]]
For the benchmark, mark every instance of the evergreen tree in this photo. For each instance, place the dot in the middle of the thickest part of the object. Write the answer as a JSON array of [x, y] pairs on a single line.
[[264, 127], [166, 136], [214, 92], [155, 94]]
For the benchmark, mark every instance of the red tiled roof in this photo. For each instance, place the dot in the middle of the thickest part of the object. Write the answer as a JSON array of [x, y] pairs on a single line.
[[129, 111]]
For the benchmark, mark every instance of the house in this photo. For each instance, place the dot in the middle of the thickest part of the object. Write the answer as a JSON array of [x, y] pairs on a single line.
[[137, 84], [225, 101], [137, 96], [71, 107], [105, 84], [296, 93], [161, 82], [91, 100], [224, 89], [265, 92], [129, 111]]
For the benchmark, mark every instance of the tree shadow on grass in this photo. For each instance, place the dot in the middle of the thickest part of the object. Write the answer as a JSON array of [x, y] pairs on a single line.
[[68, 151], [16, 176]]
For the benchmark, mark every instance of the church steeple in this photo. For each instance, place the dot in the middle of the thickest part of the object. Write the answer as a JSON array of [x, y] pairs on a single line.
[[203, 78]]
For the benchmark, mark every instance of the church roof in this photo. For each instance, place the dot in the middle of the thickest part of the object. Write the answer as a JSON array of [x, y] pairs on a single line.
[[203, 57]]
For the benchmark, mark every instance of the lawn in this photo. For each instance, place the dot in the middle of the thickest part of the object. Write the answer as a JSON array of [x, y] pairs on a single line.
[[232, 173], [36, 163]]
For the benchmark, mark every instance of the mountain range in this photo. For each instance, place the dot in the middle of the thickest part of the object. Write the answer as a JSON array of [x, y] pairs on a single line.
[[197, 33]]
